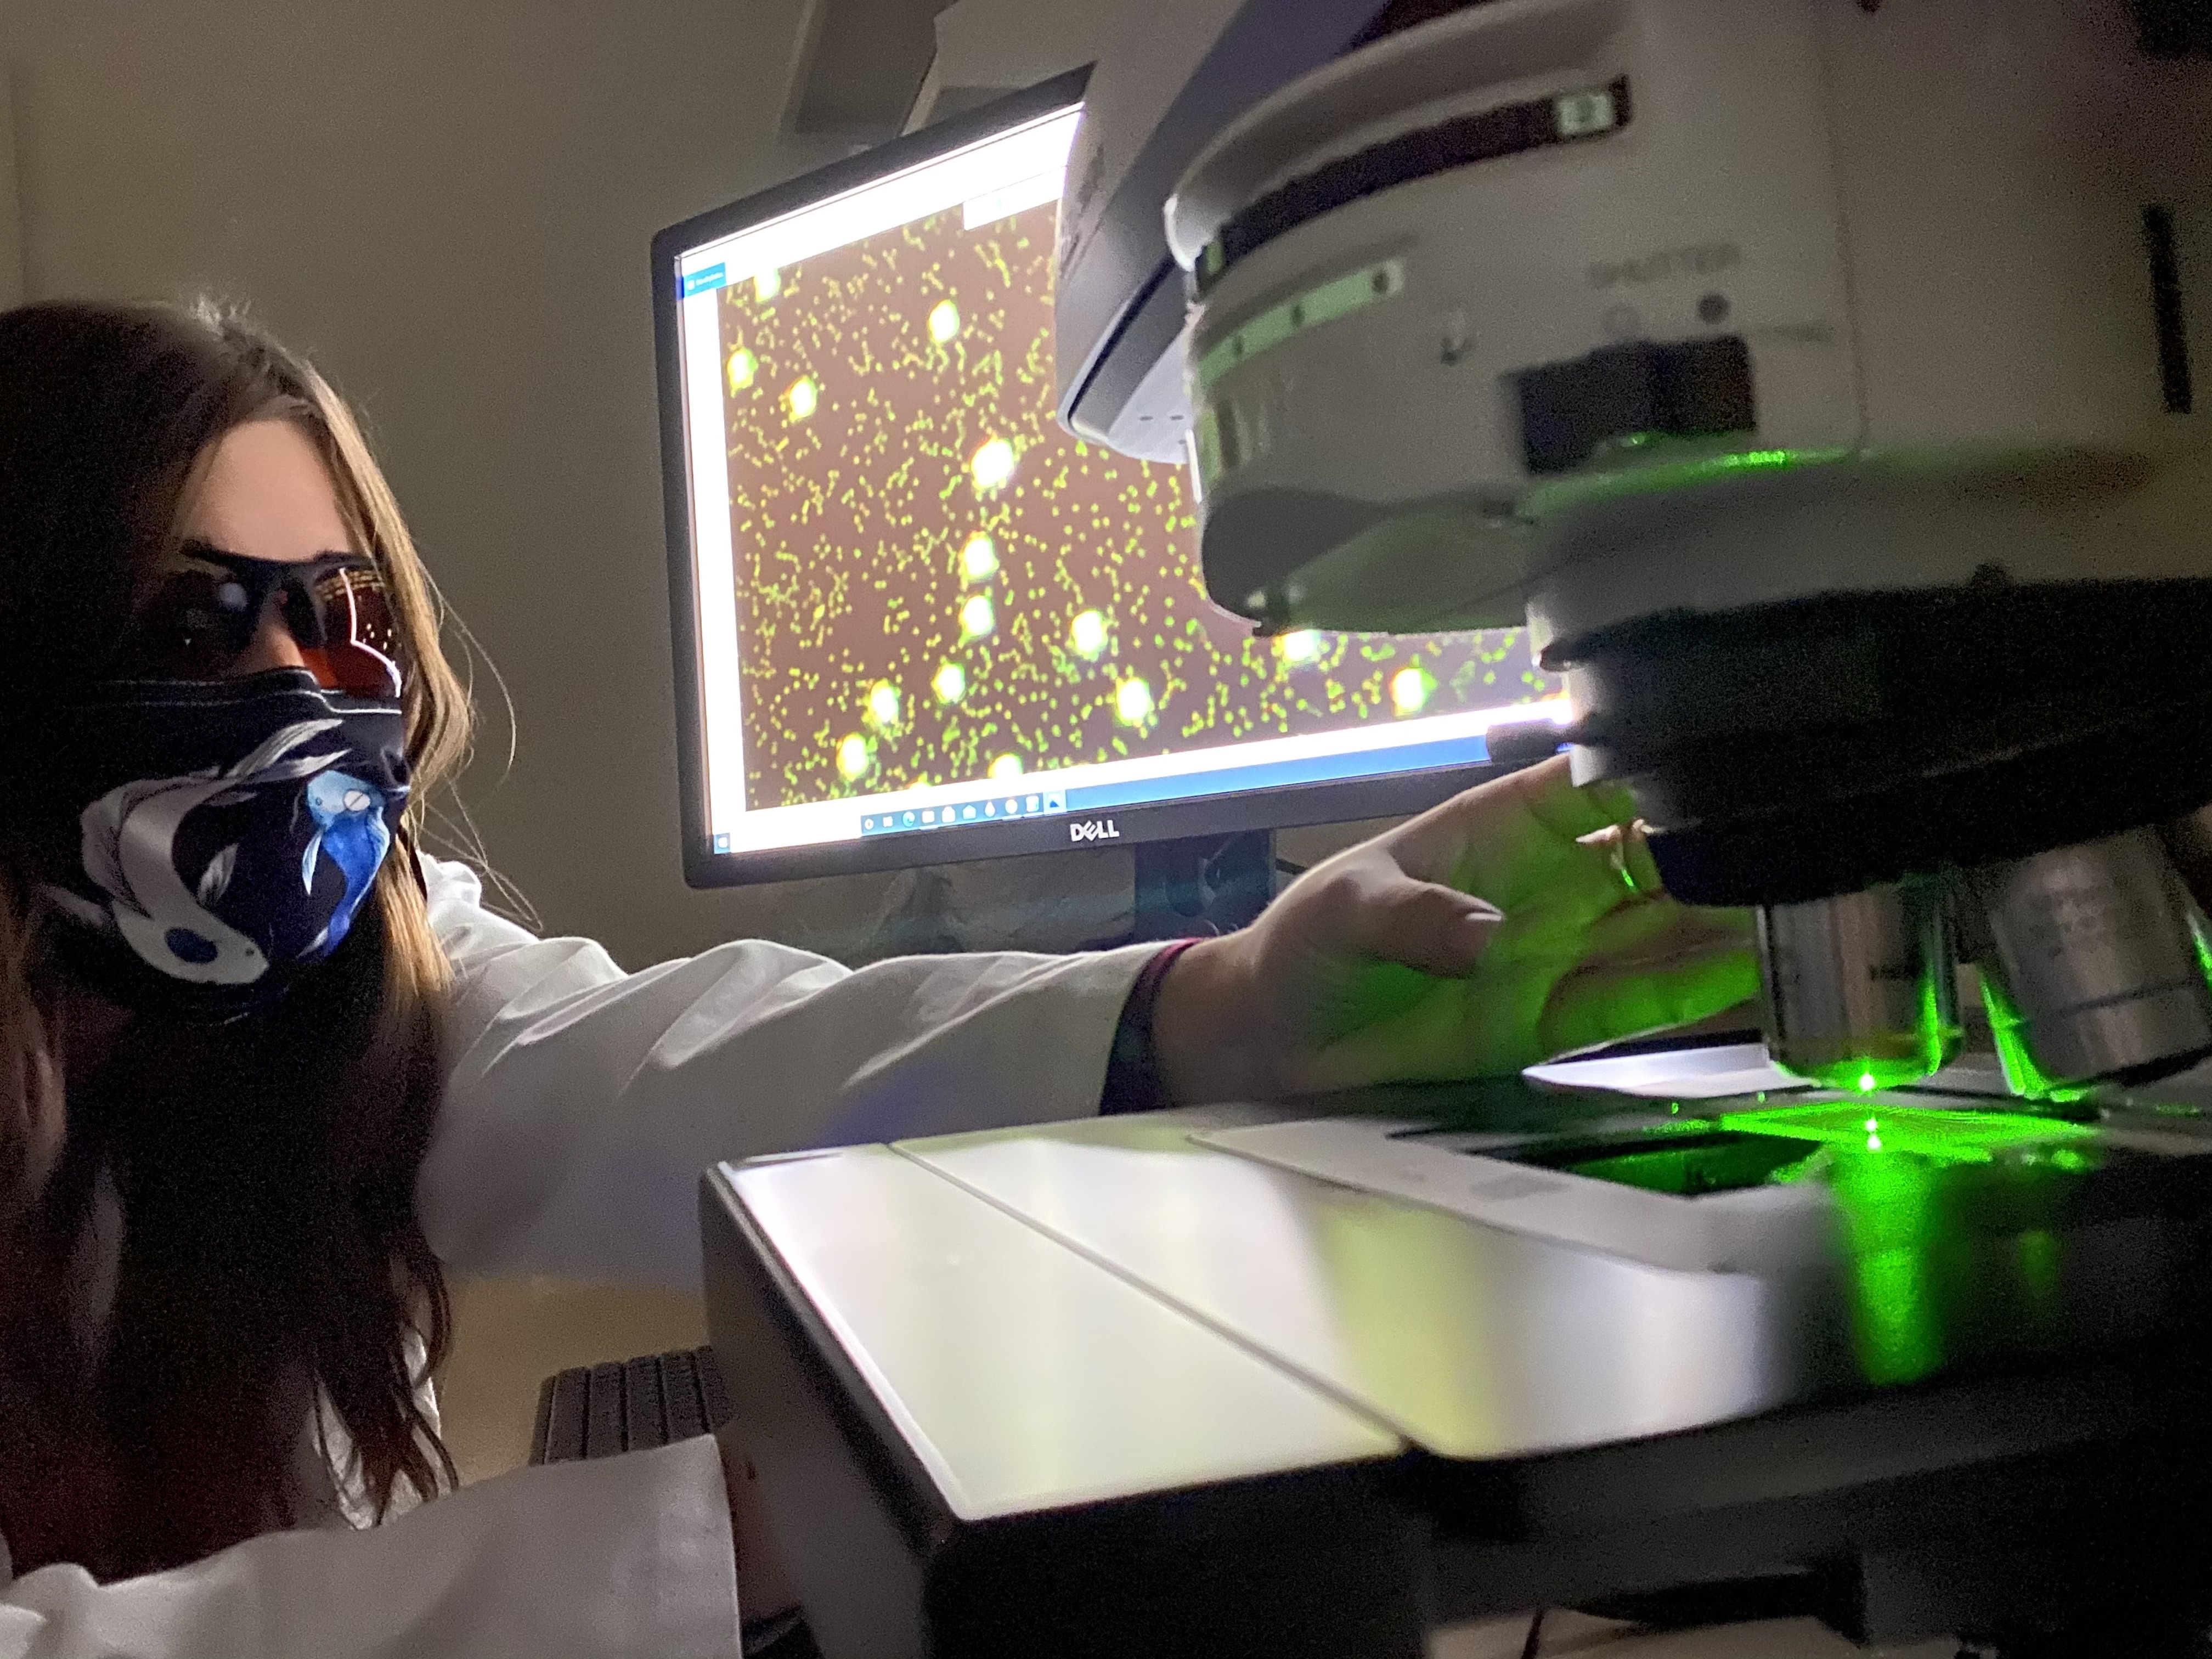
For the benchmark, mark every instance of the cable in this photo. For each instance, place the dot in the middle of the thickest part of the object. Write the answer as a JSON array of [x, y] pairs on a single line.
[[1535, 1636]]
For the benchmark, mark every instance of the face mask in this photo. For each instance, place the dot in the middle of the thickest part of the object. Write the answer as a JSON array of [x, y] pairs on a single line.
[[230, 832]]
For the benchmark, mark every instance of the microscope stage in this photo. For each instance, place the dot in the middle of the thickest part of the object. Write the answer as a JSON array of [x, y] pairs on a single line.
[[1580, 1343], [1765, 1182]]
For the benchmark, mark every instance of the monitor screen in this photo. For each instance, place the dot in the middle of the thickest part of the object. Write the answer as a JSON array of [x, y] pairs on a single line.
[[917, 619]]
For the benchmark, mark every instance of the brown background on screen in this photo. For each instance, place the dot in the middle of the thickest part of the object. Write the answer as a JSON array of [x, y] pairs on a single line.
[[849, 519]]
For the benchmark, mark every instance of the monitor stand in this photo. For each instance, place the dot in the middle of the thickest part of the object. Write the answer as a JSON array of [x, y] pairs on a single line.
[[1201, 885]]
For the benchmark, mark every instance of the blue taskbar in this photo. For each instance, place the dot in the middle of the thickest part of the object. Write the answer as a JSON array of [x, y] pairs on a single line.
[[1018, 800]]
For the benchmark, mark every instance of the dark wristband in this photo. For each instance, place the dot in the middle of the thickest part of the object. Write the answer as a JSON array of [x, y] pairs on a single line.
[[1134, 1083]]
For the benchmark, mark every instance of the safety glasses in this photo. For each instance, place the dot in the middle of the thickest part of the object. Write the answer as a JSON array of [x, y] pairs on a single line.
[[202, 617]]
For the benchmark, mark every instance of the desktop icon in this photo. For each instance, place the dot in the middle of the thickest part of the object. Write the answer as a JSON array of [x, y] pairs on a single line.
[[1031, 804], [967, 813], [928, 815], [910, 820], [990, 809], [721, 843], [867, 824], [1055, 803], [1013, 805]]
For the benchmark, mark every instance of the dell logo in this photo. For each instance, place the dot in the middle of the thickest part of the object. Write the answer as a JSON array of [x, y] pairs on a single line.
[[1095, 830]]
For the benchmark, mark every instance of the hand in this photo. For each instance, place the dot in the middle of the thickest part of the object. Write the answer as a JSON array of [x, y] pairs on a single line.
[[1516, 921]]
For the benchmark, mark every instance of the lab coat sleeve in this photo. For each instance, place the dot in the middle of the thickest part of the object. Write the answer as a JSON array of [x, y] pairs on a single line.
[[582, 1103], [607, 1559]]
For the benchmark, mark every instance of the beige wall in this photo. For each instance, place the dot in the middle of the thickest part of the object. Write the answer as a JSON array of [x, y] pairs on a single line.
[[449, 203]]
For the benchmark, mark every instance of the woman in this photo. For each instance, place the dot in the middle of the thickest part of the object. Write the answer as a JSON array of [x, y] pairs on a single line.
[[267, 1072]]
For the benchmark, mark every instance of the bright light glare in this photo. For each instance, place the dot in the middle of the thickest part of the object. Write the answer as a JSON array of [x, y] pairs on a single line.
[[853, 759], [950, 683], [979, 560], [977, 617], [1133, 703], [1007, 766], [993, 464], [1300, 647], [742, 366], [943, 321], [884, 703], [804, 398], [1087, 634], [1410, 689]]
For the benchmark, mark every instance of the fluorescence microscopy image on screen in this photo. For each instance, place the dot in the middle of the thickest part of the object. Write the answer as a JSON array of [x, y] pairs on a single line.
[[937, 583]]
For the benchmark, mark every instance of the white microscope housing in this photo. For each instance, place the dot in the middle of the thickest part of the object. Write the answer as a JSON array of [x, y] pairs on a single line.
[[1820, 378]]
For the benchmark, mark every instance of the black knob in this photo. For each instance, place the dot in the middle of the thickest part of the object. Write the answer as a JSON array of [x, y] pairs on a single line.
[[1698, 388]]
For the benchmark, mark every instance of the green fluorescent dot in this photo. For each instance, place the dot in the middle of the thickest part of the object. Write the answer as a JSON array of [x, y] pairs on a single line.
[[979, 560], [1087, 634], [950, 683], [742, 366], [1411, 689], [943, 321], [1867, 1084], [993, 464], [804, 398], [853, 759], [977, 619], [1133, 701]]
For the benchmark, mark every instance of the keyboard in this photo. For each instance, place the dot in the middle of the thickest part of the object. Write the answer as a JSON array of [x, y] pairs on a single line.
[[635, 1405], [629, 1405]]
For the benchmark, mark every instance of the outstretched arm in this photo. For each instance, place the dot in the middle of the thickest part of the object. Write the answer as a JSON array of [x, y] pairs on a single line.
[[583, 1102]]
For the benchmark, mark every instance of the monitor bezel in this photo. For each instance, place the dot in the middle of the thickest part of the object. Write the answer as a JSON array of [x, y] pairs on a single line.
[[1387, 795]]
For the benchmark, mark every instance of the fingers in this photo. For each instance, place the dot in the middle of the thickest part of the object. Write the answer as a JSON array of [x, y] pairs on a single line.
[[1605, 1004], [1628, 855], [1443, 1036], [1511, 831], [1572, 812], [1391, 917], [1662, 928], [1436, 845]]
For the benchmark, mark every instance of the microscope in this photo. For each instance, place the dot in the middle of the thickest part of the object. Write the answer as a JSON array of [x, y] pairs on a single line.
[[1817, 379]]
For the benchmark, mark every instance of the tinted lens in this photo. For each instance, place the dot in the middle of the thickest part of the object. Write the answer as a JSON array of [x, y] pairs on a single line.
[[354, 648], [193, 628]]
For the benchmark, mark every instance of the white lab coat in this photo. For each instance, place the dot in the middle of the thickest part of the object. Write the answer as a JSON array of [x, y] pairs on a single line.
[[582, 1104]]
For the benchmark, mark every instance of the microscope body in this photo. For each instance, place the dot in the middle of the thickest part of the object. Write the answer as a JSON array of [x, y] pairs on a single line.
[[1819, 380]]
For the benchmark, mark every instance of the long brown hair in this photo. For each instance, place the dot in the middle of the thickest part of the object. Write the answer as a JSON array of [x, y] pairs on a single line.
[[266, 1168]]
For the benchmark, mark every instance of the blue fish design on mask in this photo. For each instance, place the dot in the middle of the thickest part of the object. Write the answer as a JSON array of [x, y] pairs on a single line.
[[200, 893], [350, 829], [130, 836]]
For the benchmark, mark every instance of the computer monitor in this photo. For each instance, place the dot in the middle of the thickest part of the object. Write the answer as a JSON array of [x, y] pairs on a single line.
[[916, 621]]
